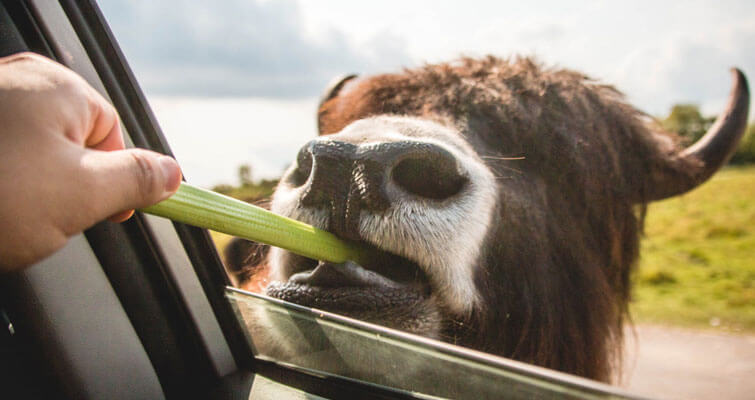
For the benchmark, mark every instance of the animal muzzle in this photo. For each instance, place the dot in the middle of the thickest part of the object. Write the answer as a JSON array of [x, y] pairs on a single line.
[[347, 178]]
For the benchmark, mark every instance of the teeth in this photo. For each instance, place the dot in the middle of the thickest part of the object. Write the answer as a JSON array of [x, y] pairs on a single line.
[[344, 274]]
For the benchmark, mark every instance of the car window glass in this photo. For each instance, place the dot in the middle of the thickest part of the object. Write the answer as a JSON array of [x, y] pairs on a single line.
[[329, 344]]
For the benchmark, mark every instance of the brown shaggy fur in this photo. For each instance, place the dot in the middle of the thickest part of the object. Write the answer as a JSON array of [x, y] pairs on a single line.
[[573, 162]]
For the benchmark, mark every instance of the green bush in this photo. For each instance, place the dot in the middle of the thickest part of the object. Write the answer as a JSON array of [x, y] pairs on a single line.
[[746, 151], [687, 121]]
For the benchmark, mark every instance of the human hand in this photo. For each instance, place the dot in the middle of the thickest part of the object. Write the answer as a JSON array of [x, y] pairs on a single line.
[[63, 166]]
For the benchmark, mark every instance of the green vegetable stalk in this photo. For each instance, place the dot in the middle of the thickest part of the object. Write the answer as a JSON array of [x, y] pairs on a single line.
[[206, 209]]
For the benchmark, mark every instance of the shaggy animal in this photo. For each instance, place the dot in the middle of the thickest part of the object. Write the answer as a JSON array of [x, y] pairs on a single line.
[[502, 201]]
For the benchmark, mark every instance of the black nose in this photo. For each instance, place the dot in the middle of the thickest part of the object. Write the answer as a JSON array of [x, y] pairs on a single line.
[[345, 178]]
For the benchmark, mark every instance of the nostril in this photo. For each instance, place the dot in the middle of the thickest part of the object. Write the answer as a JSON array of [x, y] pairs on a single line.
[[433, 176], [303, 167], [302, 171]]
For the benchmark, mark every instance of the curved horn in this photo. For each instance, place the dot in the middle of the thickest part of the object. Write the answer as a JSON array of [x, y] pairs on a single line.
[[698, 162]]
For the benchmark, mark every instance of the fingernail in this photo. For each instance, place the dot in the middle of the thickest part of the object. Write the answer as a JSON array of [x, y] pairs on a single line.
[[172, 175]]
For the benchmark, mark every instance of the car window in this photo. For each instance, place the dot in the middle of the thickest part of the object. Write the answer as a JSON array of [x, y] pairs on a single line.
[[240, 89], [332, 345]]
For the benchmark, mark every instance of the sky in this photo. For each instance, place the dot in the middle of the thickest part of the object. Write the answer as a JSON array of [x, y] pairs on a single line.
[[237, 81]]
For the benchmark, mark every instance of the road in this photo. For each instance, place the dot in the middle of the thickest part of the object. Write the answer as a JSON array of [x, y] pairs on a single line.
[[672, 363]]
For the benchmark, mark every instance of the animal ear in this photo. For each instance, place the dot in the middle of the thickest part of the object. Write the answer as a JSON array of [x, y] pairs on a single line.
[[332, 90], [690, 167]]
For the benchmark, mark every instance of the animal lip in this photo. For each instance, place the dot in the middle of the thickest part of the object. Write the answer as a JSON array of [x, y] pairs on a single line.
[[385, 282], [382, 269], [341, 275]]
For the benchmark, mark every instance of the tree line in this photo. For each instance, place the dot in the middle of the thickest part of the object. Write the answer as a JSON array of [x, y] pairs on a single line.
[[256, 192], [691, 125]]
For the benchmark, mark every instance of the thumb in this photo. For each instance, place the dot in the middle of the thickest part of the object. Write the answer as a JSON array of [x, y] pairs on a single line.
[[128, 179]]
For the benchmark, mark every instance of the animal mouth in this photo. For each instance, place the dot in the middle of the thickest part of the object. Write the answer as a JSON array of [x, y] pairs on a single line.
[[386, 281]]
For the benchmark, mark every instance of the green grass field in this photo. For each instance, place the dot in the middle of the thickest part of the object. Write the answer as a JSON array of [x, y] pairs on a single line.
[[697, 265]]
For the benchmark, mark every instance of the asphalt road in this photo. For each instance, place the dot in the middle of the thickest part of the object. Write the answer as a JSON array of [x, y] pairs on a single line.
[[672, 363]]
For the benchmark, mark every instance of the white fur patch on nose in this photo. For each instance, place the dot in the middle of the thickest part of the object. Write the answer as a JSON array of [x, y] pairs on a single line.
[[444, 238]]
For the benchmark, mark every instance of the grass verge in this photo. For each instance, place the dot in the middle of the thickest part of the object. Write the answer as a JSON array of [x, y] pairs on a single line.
[[697, 265]]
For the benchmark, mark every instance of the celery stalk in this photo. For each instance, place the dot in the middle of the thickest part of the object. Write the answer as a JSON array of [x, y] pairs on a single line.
[[206, 209]]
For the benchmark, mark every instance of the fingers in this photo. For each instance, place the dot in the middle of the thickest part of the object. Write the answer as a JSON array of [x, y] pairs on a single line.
[[24, 55], [127, 179], [106, 132], [121, 216], [84, 115]]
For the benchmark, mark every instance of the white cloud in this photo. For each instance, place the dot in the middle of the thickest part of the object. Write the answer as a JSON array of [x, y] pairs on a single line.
[[237, 48], [658, 53], [690, 68]]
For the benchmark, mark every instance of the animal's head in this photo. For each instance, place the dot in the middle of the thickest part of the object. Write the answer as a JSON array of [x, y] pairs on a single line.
[[502, 201]]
